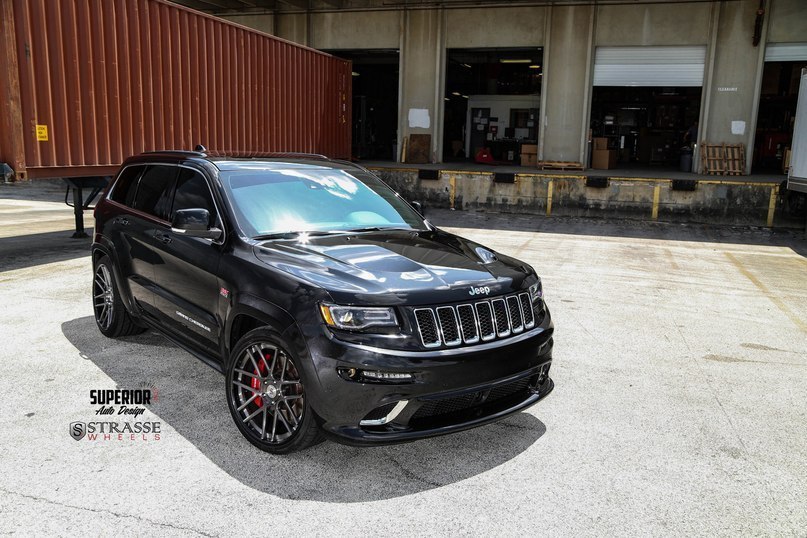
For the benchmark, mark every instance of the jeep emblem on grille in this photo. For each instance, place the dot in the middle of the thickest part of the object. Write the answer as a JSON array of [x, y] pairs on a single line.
[[479, 291]]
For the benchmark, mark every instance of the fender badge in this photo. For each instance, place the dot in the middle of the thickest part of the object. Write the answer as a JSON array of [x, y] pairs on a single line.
[[224, 292]]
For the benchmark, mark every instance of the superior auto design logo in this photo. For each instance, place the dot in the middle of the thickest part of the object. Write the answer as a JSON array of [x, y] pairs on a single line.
[[119, 413]]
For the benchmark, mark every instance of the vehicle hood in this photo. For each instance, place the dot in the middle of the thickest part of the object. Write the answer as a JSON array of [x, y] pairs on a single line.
[[397, 267]]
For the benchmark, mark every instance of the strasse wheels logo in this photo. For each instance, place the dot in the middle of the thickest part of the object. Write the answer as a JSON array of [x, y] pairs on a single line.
[[78, 430], [128, 406], [115, 431]]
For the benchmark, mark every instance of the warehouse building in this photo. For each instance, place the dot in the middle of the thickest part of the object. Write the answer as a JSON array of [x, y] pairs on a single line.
[[549, 81]]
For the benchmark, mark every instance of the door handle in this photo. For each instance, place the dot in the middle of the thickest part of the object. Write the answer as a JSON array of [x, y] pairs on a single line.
[[123, 221], [165, 238]]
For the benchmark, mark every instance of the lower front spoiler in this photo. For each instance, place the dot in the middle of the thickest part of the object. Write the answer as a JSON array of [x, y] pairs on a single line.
[[358, 436]]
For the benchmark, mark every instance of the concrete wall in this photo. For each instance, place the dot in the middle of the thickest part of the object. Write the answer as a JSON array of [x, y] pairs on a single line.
[[566, 85], [264, 22], [652, 25], [734, 90], [293, 26], [713, 202], [356, 30], [788, 21], [422, 59], [569, 35], [502, 27]]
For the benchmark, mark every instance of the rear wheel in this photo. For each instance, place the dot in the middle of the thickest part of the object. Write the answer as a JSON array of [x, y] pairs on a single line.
[[266, 394], [110, 315]]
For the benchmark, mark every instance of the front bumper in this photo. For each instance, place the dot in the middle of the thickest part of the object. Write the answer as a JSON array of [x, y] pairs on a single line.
[[453, 389]]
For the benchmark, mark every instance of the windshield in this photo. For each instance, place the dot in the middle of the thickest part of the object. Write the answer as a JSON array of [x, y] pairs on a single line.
[[269, 202]]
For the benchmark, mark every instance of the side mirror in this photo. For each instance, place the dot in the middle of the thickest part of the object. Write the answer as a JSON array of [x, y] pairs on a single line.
[[194, 223], [419, 208]]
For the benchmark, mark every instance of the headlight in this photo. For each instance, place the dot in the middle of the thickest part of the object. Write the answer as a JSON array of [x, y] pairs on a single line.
[[357, 317], [537, 291]]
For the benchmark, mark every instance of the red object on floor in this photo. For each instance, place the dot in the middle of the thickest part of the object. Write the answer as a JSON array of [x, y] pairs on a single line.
[[484, 156]]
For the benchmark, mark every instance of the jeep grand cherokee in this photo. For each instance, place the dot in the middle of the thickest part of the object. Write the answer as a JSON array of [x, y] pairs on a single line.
[[328, 302]]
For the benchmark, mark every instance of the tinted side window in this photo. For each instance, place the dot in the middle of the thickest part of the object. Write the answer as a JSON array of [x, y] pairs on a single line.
[[125, 187], [154, 190], [192, 192]]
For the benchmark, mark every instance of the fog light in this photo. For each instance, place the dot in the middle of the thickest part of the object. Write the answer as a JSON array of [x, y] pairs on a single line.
[[375, 376], [392, 376]]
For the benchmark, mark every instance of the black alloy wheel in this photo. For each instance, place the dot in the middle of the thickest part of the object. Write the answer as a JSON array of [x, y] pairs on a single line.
[[110, 314], [266, 395]]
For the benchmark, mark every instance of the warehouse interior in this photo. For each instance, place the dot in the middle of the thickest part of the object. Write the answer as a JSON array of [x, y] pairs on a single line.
[[375, 102], [492, 97], [777, 110], [644, 126]]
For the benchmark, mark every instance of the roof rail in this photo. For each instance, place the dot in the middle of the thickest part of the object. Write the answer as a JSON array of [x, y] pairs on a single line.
[[351, 163], [178, 151]]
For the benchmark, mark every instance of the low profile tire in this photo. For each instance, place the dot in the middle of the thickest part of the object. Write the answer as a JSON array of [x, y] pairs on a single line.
[[110, 315], [267, 396]]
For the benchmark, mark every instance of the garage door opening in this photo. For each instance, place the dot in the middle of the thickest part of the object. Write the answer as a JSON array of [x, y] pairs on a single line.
[[375, 102], [643, 127], [645, 107], [777, 106], [492, 99]]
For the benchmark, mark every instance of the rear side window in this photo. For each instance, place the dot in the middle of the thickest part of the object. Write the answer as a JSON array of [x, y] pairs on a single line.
[[154, 190], [125, 187], [192, 192]]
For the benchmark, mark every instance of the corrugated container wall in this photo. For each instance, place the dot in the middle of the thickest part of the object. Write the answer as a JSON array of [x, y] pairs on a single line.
[[88, 83]]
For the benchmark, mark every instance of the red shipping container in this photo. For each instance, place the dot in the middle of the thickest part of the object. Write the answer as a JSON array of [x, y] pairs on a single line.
[[87, 83]]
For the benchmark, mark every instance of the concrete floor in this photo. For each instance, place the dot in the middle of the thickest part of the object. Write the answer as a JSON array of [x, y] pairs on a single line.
[[680, 405]]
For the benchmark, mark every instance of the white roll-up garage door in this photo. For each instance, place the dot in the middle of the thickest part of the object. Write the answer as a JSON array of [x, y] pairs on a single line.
[[649, 66], [786, 52]]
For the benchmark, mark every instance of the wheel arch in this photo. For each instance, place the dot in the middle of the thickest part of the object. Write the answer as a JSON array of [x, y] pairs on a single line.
[[251, 313]]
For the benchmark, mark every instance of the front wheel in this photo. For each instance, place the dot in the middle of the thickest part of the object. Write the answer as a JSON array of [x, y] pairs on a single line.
[[266, 394]]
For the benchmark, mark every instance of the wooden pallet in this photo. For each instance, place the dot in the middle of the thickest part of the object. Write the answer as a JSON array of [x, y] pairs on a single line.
[[559, 165], [735, 159], [723, 159]]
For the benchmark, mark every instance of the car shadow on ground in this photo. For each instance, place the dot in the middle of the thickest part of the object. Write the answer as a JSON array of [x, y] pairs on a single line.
[[22, 251], [191, 401]]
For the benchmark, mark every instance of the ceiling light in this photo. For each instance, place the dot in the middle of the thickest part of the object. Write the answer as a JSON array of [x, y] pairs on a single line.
[[466, 65], [446, 98], [465, 96], [515, 61], [534, 66], [355, 74], [456, 93]]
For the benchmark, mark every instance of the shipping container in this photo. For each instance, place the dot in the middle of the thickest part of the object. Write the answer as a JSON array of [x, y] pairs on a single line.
[[87, 83]]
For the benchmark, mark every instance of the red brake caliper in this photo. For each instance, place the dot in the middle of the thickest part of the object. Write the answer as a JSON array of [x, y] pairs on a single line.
[[261, 371]]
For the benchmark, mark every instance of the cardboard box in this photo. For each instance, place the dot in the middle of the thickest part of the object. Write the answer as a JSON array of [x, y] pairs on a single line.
[[603, 159], [529, 155], [531, 149], [600, 143]]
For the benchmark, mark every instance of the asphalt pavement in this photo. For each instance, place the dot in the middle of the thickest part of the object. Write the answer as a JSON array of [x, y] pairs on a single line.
[[680, 402]]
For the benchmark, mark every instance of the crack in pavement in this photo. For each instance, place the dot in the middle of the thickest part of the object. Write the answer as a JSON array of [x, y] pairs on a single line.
[[103, 511]]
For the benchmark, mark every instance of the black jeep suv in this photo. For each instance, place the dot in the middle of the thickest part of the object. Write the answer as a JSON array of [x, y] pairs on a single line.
[[330, 304]]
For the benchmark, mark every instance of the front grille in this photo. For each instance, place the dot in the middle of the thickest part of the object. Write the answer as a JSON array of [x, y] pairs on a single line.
[[457, 404], [473, 322]]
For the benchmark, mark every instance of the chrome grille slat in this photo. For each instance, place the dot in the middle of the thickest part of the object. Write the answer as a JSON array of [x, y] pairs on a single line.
[[427, 327], [500, 317], [514, 311], [449, 325], [484, 316], [470, 323], [526, 310]]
